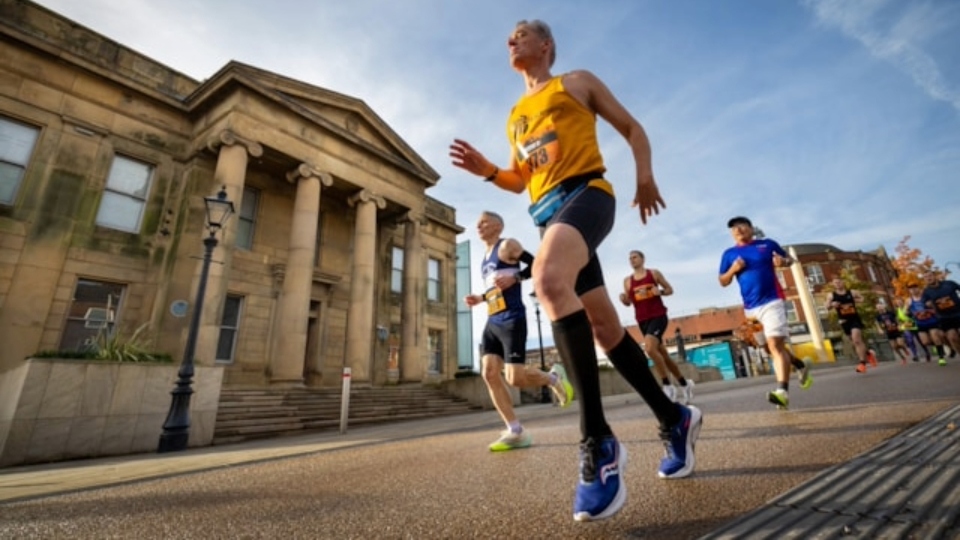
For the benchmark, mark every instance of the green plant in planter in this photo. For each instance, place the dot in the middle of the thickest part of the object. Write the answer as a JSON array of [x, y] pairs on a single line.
[[112, 347]]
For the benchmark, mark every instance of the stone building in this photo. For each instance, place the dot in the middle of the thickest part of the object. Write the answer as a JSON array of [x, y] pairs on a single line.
[[335, 258]]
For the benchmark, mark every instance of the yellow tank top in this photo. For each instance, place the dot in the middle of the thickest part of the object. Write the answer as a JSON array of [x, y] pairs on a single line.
[[555, 138]]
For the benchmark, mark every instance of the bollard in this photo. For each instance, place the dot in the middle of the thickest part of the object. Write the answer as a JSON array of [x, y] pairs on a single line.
[[345, 400]]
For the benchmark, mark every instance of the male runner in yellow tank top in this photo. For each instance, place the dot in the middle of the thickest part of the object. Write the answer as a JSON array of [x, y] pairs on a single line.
[[556, 158]]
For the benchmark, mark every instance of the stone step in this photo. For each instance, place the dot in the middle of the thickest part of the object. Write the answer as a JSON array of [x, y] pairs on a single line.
[[229, 419], [247, 413], [263, 431]]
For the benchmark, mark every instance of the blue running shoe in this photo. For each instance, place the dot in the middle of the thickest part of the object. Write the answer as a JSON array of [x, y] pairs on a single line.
[[679, 442], [600, 491]]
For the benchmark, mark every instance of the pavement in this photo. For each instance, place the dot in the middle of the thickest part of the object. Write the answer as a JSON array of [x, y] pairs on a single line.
[[873, 456]]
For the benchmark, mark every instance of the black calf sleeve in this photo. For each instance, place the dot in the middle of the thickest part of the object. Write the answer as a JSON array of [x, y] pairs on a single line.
[[573, 337], [631, 362]]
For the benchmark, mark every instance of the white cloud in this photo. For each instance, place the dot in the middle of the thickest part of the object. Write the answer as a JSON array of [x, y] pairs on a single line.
[[898, 41]]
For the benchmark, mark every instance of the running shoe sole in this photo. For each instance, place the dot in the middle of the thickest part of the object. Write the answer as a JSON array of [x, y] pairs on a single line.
[[500, 446]]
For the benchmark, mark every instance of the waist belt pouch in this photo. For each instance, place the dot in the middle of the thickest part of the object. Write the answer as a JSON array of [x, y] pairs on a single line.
[[544, 209]]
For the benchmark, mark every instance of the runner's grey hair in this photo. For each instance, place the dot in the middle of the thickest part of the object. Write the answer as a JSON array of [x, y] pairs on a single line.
[[543, 30]]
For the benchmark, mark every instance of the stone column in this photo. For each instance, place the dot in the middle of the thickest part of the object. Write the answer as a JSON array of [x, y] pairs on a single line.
[[289, 351], [809, 306], [360, 315], [413, 339], [231, 173]]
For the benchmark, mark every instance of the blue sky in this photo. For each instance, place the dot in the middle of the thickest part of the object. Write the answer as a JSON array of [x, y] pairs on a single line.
[[833, 121]]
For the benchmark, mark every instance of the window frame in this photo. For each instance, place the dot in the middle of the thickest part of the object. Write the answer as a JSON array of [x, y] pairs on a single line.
[[15, 192], [140, 200], [110, 318], [815, 272], [396, 272], [223, 327], [435, 350], [793, 316], [246, 235], [434, 293]]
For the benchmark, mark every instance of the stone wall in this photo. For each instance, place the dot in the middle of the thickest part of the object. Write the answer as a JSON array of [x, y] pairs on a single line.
[[53, 410]]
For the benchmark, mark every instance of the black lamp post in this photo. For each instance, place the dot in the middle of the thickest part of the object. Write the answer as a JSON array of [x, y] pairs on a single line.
[[176, 429], [545, 392]]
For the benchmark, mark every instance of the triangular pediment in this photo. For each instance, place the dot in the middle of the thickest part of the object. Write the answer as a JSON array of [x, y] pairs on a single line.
[[349, 117]]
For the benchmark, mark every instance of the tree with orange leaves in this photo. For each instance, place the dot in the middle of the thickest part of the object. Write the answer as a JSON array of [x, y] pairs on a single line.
[[911, 264]]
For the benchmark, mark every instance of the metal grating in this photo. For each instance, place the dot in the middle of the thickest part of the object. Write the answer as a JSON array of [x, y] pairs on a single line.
[[908, 487]]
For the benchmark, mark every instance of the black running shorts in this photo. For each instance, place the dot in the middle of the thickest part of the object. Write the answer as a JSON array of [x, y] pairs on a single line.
[[507, 339], [591, 212]]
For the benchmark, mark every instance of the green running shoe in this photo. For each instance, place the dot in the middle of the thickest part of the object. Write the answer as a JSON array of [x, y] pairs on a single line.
[[511, 441], [779, 398], [806, 379], [562, 388]]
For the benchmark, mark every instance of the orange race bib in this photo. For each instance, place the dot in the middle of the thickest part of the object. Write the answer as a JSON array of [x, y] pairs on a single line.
[[495, 301], [541, 149], [944, 303], [848, 309], [643, 292]]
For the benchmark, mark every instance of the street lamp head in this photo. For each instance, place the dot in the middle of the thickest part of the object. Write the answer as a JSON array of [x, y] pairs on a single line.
[[533, 298], [219, 210]]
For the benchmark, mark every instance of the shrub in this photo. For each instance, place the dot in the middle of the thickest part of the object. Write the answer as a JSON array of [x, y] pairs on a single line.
[[113, 348]]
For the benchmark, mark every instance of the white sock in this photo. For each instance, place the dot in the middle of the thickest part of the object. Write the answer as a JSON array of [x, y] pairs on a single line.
[[515, 426]]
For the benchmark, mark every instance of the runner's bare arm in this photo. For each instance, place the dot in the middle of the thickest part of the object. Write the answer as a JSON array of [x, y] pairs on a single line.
[[595, 95], [625, 295], [665, 288], [468, 158]]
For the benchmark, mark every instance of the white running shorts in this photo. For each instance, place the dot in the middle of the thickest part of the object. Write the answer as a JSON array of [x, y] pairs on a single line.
[[773, 317]]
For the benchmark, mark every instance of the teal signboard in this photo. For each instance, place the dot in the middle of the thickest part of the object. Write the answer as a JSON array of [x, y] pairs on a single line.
[[716, 355]]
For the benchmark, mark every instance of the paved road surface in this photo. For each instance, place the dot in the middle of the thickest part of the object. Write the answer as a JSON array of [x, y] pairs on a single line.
[[435, 479]]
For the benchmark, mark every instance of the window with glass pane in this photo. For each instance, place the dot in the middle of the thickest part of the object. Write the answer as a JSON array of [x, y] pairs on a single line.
[[435, 351], [229, 327], [873, 273], [815, 273], [247, 218], [125, 195], [792, 316], [16, 146], [433, 280], [93, 311], [396, 272]]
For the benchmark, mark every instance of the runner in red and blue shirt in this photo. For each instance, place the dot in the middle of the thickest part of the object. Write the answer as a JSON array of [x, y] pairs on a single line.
[[752, 262]]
